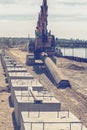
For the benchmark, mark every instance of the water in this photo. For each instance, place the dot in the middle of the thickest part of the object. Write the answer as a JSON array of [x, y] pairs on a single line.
[[78, 52]]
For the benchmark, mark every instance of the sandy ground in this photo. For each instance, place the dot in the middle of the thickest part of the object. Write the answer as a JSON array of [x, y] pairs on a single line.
[[6, 122], [76, 72], [74, 99]]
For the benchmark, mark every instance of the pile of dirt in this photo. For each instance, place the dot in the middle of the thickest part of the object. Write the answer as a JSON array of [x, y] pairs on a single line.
[[75, 67]]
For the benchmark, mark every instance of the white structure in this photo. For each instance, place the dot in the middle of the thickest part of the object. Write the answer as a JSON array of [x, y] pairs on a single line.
[[31, 101], [13, 64], [15, 69], [19, 75], [60, 120], [5, 59], [23, 85]]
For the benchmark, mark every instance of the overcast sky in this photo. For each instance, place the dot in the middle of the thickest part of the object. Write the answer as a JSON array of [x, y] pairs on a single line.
[[66, 19]]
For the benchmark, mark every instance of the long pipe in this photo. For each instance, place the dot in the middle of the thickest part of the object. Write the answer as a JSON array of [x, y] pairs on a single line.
[[58, 77]]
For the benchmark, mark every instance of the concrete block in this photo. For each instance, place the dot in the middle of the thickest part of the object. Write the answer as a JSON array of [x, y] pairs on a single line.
[[19, 75], [33, 102], [15, 69], [21, 85], [59, 120]]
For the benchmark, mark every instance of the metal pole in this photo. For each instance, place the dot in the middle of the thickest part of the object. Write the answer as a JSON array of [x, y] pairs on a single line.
[[31, 125], [50, 97], [39, 113], [68, 113], [28, 95], [58, 114], [43, 125], [81, 126], [28, 113], [85, 50], [21, 92], [64, 49], [43, 96], [70, 126], [73, 51]]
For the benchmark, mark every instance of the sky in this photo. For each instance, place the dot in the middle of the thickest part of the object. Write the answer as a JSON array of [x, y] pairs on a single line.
[[66, 18]]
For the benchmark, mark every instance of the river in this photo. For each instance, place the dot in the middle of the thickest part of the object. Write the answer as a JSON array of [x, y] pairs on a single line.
[[78, 52]]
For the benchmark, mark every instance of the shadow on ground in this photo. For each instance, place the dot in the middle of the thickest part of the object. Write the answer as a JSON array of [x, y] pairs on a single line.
[[38, 69], [5, 89], [10, 102], [16, 127]]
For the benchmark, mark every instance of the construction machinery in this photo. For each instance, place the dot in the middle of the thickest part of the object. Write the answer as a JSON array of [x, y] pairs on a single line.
[[44, 41], [43, 47]]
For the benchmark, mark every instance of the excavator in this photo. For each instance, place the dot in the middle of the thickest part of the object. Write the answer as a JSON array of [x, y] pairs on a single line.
[[43, 48], [44, 41]]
